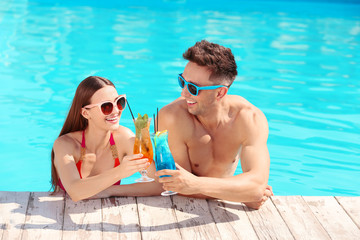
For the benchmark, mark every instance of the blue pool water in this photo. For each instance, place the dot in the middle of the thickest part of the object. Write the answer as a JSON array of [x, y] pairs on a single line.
[[298, 61]]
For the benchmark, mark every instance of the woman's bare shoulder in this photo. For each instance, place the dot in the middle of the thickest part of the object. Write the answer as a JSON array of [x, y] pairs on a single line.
[[70, 141], [124, 139], [123, 136], [123, 133]]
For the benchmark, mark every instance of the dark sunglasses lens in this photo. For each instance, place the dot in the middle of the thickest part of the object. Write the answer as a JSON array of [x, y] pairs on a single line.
[[192, 89], [121, 102], [107, 108], [181, 82]]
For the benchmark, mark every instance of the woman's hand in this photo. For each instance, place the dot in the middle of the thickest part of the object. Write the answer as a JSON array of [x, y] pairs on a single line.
[[132, 164]]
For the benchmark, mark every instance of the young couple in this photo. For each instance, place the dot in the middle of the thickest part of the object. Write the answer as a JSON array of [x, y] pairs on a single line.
[[210, 132]]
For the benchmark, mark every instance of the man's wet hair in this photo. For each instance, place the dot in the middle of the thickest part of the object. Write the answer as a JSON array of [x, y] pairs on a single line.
[[218, 59]]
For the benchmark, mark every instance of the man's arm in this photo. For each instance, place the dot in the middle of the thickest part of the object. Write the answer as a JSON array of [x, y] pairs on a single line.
[[246, 187]]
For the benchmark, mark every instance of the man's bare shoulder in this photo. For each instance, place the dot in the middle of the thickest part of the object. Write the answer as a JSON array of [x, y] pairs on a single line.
[[176, 111], [175, 106], [176, 118], [244, 108], [251, 119]]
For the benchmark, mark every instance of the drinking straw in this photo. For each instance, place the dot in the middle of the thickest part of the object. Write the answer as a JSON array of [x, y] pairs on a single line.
[[157, 120], [127, 101], [154, 123]]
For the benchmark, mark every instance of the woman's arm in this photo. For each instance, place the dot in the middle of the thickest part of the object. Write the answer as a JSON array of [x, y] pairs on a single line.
[[78, 188]]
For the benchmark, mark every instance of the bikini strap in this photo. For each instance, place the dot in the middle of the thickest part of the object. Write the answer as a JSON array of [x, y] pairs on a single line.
[[83, 140], [113, 147], [83, 146]]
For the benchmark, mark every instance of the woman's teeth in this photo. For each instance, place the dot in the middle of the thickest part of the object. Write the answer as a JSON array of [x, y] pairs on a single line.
[[112, 119]]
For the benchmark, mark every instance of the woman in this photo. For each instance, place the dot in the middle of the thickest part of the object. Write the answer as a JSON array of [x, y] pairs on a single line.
[[85, 168]]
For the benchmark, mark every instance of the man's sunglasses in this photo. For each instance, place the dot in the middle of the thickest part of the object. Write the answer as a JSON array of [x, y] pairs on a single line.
[[107, 107], [193, 89]]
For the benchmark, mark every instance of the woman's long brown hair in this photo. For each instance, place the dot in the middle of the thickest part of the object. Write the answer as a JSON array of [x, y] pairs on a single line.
[[74, 120]]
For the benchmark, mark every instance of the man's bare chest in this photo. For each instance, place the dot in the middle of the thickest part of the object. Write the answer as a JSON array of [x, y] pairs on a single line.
[[214, 156]]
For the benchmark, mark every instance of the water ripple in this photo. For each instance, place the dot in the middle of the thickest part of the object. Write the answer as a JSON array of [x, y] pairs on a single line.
[[297, 63]]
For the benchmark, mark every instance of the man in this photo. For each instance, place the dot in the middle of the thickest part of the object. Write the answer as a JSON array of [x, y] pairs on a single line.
[[211, 131]]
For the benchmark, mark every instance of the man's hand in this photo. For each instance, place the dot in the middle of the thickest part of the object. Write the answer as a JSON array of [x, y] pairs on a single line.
[[181, 181], [256, 205]]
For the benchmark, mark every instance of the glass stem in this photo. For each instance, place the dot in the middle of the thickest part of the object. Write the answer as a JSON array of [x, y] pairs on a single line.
[[143, 173]]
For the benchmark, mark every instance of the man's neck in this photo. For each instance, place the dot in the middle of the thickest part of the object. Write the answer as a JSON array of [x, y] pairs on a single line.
[[215, 117]]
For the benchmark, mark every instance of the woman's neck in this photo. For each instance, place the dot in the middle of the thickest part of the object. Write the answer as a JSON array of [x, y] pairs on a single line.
[[96, 139]]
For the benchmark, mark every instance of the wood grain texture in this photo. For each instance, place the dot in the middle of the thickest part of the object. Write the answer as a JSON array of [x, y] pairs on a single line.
[[13, 207], [194, 218], [82, 220], [268, 223], [157, 218], [231, 220], [120, 218], [298, 216], [38, 215], [351, 206], [333, 218], [44, 216]]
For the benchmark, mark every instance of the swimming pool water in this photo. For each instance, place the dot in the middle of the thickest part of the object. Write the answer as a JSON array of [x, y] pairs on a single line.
[[298, 61]]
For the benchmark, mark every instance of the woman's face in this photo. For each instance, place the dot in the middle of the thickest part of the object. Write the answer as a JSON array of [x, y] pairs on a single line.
[[97, 117]]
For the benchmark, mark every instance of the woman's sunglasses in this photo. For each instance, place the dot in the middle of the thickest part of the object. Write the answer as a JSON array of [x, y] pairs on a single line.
[[107, 107], [193, 89]]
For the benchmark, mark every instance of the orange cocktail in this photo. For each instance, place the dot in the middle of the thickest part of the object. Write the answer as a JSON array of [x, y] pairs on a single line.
[[143, 144]]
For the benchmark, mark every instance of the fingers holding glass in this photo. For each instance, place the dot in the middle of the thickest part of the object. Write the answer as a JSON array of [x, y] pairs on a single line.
[[143, 144], [164, 161]]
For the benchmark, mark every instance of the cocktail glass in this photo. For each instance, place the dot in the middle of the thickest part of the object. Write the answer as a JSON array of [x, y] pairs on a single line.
[[163, 159], [143, 145]]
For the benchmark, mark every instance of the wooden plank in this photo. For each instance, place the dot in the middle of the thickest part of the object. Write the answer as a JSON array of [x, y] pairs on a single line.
[[231, 220], [157, 218], [82, 220], [13, 207], [298, 216], [352, 207], [268, 223], [194, 218], [333, 217], [44, 216], [120, 218]]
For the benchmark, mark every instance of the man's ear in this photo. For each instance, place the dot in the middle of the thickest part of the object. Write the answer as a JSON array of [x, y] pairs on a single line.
[[85, 113], [221, 92]]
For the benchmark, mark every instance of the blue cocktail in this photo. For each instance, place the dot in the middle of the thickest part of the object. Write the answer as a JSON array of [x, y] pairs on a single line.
[[163, 157]]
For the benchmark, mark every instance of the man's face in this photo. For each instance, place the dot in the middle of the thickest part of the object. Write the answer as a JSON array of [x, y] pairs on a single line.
[[198, 75]]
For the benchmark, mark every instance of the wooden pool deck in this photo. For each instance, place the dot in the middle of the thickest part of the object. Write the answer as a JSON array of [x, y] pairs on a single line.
[[36, 215]]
